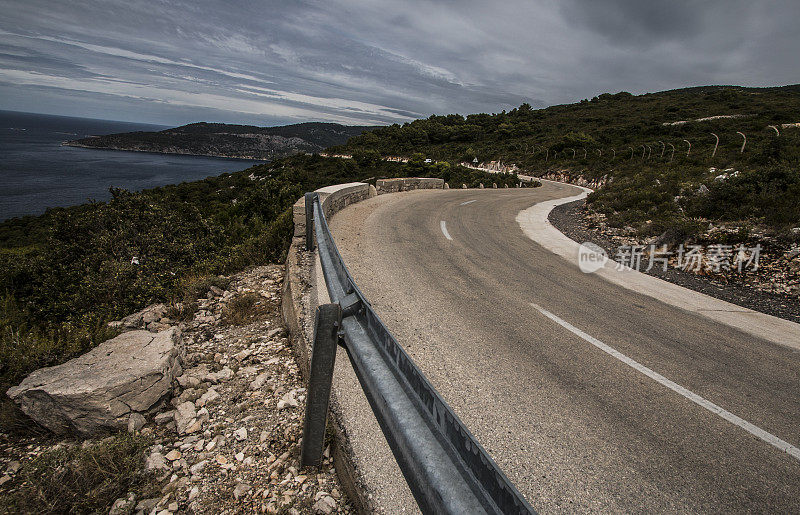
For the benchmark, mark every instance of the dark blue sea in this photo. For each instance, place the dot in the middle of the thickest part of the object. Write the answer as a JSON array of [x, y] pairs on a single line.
[[36, 172]]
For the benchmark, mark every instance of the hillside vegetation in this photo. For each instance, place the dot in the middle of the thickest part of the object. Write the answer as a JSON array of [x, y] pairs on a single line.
[[229, 140], [66, 273], [626, 142]]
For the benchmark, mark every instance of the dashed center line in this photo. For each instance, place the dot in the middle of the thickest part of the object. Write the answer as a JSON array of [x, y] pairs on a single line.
[[443, 225], [675, 387], [468, 202]]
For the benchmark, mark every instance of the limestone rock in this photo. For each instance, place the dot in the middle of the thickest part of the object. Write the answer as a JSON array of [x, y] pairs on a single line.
[[136, 422], [288, 400], [188, 381], [123, 505], [198, 467], [240, 434], [100, 389], [259, 381], [325, 505], [185, 416], [241, 489], [155, 461], [165, 417], [150, 318], [146, 505], [209, 396], [223, 375]]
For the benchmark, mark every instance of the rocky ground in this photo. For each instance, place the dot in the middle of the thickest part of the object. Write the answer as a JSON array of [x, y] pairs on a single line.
[[229, 439], [774, 288]]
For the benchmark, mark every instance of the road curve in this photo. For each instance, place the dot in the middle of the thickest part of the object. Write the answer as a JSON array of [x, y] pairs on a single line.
[[486, 313]]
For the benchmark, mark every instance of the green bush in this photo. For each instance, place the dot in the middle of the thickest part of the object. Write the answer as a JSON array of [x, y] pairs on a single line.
[[771, 194]]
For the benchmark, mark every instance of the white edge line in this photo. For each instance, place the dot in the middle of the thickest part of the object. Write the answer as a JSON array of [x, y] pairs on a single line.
[[443, 225], [468, 202], [535, 225], [675, 387]]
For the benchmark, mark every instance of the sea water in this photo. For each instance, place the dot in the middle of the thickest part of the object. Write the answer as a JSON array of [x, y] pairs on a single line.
[[37, 172]]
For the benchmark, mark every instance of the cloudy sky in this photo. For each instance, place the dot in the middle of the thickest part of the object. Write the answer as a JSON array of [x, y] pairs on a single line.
[[375, 62]]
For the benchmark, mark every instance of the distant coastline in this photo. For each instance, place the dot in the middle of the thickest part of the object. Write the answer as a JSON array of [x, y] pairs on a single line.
[[229, 141], [178, 152]]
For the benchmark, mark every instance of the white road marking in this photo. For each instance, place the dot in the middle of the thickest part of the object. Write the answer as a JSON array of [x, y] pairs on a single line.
[[535, 225], [697, 399], [467, 202], [443, 225]]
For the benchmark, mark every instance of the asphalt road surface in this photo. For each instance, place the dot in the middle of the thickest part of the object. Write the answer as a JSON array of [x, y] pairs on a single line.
[[508, 333]]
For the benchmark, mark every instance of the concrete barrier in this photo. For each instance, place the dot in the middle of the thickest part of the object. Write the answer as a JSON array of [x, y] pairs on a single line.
[[407, 184], [333, 199]]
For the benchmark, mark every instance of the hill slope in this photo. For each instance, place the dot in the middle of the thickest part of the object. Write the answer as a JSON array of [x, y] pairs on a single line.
[[625, 143], [229, 140]]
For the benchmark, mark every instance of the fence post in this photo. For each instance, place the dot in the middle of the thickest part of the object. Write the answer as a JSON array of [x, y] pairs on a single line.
[[327, 321], [309, 221]]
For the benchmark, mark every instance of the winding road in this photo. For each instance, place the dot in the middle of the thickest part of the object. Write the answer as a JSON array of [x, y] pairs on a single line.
[[591, 397]]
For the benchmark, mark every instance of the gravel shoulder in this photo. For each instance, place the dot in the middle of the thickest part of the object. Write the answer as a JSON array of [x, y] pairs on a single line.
[[570, 219]]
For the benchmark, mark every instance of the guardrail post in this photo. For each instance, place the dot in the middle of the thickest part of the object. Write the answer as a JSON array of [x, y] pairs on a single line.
[[327, 321], [309, 221]]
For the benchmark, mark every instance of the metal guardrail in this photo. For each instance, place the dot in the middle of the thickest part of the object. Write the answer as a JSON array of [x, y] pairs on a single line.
[[446, 468]]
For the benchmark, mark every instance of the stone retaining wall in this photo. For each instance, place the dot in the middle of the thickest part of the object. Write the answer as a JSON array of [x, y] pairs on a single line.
[[408, 184]]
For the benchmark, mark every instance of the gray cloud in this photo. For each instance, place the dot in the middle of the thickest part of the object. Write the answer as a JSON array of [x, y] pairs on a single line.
[[374, 62]]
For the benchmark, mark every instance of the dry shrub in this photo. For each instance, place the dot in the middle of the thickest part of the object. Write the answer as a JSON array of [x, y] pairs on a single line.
[[243, 309], [74, 479]]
